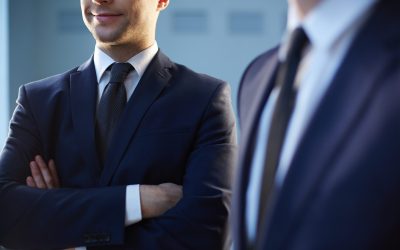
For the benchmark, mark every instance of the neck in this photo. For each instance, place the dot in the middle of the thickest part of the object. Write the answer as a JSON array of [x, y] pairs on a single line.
[[123, 52], [303, 7]]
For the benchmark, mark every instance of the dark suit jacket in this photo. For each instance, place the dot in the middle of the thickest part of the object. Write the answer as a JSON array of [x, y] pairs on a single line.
[[343, 186], [177, 127]]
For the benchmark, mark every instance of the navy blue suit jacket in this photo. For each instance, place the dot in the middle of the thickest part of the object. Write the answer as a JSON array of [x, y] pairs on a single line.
[[343, 185], [178, 127]]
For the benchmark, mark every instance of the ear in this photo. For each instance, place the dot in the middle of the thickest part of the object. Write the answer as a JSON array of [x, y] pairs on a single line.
[[162, 4]]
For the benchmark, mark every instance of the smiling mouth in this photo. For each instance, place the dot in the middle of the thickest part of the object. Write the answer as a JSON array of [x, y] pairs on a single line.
[[105, 14], [105, 17]]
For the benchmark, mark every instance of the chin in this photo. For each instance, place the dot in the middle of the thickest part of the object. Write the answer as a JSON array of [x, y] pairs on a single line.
[[106, 38]]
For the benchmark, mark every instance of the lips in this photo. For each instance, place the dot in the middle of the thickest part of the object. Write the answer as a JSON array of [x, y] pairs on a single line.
[[106, 17]]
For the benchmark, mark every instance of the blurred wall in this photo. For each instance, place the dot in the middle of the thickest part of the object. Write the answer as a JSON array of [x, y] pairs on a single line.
[[47, 37], [220, 37], [215, 37], [4, 110]]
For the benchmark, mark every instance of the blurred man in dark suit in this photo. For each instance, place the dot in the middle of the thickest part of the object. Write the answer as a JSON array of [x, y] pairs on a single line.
[[320, 140]]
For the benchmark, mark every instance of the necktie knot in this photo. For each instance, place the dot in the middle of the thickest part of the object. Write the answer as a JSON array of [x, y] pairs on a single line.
[[119, 72], [297, 42]]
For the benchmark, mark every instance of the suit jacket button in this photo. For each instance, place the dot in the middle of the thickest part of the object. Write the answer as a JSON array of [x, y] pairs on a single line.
[[107, 238], [87, 238]]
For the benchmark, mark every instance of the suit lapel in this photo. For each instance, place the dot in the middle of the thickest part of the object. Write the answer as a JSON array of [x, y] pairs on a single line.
[[263, 81], [342, 107], [149, 88], [83, 87]]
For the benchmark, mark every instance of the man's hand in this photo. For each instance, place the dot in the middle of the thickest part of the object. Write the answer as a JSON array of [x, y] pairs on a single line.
[[44, 175], [157, 199]]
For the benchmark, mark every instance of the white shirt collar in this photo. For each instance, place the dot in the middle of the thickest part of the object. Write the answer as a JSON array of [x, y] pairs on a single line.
[[140, 61], [323, 26]]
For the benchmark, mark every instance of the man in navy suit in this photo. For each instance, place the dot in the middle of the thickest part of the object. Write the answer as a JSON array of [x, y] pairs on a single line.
[[174, 135], [336, 181]]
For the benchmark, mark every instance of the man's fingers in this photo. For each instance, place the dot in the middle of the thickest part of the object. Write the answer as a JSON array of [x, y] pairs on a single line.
[[30, 182], [45, 172], [53, 172], [37, 176], [44, 175]]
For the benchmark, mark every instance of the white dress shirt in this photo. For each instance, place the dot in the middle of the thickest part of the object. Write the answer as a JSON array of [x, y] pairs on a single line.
[[140, 62], [330, 27]]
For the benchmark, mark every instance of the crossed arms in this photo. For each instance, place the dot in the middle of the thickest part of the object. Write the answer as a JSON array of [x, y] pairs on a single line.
[[154, 199]]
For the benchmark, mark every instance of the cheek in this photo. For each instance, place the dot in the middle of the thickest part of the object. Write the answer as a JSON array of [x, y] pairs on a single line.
[[142, 19], [87, 19], [85, 3]]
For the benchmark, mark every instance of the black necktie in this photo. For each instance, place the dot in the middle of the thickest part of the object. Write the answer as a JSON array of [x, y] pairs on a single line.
[[111, 106], [280, 116]]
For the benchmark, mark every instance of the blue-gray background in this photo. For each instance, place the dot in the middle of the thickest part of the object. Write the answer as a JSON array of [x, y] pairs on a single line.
[[39, 38]]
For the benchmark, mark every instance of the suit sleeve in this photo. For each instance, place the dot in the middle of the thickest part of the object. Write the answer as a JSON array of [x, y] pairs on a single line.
[[46, 219], [199, 220]]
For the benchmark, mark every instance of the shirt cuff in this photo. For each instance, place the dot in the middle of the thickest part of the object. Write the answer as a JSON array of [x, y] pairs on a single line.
[[133, 210]]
